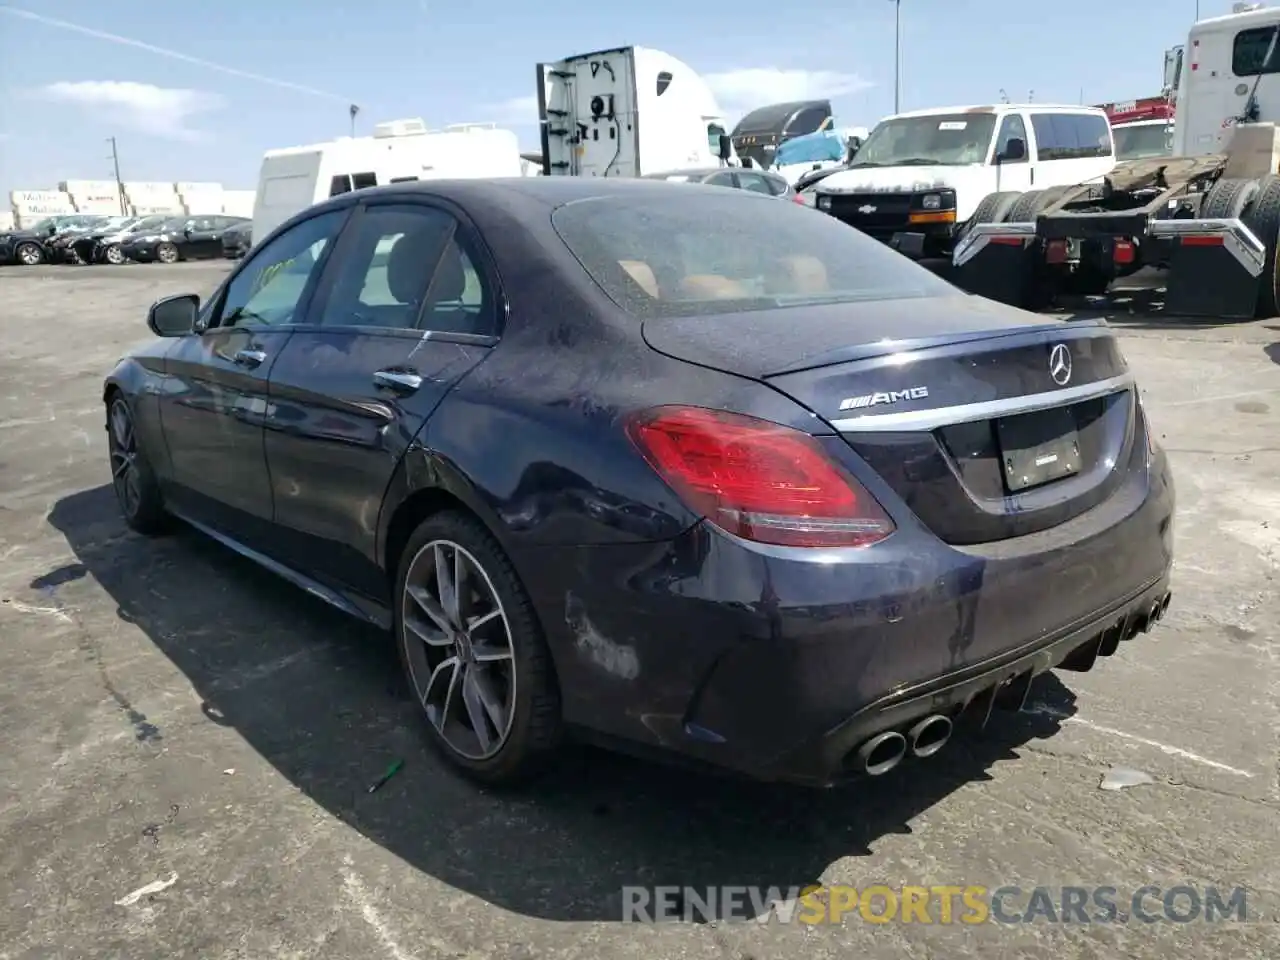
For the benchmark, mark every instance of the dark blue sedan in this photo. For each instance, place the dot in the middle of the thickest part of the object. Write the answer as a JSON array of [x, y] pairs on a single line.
[[687, 472]]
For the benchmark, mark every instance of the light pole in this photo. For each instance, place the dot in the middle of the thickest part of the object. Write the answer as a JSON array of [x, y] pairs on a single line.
[[897, 55]]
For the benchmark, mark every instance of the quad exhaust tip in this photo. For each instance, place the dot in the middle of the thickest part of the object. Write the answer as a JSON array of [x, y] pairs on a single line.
[[929, 735], [881, 753]]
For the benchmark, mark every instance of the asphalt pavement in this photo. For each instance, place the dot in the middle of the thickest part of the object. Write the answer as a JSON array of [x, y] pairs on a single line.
[[189, 742]]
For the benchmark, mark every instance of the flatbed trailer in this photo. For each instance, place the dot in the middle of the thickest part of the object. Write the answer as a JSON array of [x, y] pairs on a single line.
[[1214, 235]]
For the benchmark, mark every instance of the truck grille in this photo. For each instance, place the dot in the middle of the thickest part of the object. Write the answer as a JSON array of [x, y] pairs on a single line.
[[874, 213]]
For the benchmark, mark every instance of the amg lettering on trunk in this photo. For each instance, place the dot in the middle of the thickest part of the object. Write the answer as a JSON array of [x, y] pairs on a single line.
[[887, 396]]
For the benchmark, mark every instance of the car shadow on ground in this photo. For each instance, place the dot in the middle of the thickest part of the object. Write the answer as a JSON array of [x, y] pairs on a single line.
[[320, 697]]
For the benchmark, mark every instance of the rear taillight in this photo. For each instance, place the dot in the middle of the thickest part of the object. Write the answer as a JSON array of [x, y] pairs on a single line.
[[758, 480]]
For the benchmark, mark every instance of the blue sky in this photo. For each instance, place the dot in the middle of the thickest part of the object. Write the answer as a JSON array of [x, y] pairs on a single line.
[[248, 77]]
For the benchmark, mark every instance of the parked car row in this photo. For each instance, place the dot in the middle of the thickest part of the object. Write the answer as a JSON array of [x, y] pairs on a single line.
[[163, 238]]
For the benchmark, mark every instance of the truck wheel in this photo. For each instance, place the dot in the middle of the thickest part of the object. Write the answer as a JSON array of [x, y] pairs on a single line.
[[1034, 201], [1228, 198], [1263, 218], [994, 208]]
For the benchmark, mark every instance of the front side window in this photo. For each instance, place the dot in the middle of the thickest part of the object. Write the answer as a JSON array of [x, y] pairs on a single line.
[[947, 139], [699, 252], [269, 288], [755, 183], [1012, 128]]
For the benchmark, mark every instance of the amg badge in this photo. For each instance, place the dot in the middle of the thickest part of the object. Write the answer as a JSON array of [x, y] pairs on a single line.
[[891, 396]]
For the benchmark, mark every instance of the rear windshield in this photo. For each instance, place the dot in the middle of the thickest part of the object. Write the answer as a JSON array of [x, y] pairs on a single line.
[[689, 252]]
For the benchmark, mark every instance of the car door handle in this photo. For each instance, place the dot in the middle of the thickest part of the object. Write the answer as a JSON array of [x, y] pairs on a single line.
[[403, 381], [249, 358]]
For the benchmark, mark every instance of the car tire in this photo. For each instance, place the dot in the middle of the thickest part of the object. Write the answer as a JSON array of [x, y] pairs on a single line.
[[167, 253], [502, 680], [29, 254], [132, 476], [114, 255]]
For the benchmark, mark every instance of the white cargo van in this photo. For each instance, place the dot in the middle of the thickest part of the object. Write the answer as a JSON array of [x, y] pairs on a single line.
[[919, 176], [293, 178], [627, 112]]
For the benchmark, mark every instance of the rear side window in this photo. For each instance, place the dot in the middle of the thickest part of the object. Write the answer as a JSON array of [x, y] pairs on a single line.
[[1071, 136], [676, 252], [408, 267], [1249, 52]]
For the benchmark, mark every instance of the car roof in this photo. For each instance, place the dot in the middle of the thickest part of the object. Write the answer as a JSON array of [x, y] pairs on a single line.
[[513, 193]]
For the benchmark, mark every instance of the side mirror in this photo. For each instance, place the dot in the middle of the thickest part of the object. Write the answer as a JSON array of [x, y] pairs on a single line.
[[1014, 150], [53, 228], [174, 316], [726, 147]]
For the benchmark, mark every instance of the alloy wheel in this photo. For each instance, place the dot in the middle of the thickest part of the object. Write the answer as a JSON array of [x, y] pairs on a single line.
[[114, 255], [167, 253], [30, 254], [457, 641], [123, 445]]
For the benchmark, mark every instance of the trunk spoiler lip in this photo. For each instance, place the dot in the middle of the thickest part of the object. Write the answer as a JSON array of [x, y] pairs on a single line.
[[1072, 330]]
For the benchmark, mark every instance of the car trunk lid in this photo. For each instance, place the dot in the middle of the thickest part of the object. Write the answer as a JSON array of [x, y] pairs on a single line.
[[989, 423]]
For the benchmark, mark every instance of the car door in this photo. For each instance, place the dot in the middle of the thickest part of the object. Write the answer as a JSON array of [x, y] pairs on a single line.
[[201, 239], [215, 403], [408, 306], [1015, 175]]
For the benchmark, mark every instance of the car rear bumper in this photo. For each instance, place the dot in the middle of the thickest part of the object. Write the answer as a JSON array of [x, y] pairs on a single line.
[[780, 664]]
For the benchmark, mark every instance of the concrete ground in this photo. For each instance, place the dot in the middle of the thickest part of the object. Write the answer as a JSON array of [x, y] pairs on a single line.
[[188, 741]]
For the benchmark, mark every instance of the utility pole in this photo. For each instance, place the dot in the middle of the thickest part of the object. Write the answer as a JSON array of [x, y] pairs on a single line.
[[897, 56], [115, 162], [353, 110]]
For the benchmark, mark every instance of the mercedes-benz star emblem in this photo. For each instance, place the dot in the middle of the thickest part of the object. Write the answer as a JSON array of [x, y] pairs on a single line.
[[1060, 364], [866, 208]]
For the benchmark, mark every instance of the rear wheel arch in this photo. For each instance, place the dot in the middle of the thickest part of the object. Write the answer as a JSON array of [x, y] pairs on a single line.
[[413, 510]]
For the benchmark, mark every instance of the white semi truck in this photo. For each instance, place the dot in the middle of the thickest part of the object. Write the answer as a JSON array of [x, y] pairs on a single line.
[[1208, 215], [628, 112]]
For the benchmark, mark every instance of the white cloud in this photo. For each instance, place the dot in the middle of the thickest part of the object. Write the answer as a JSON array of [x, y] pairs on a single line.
[[513, 112], [159, 111], [740, 91]]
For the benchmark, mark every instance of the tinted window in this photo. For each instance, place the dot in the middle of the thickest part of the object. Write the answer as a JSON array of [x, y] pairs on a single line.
[[807, 121], [1012, 128], [1071, 136], [407, 267], [270, 286], [362, 180], [339, 184], [720, 180], [1249, 50], [670, 252]]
